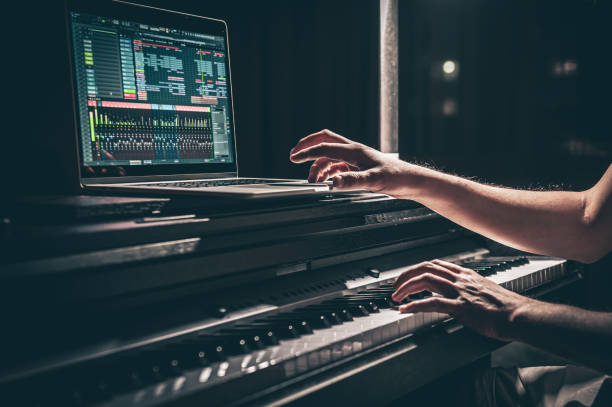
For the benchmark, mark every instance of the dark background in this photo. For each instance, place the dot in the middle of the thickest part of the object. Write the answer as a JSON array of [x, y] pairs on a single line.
[[301, 66], [521, 118]]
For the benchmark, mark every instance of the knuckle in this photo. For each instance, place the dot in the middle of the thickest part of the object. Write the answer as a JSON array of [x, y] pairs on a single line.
[[325, 146], [420, 279], [429, 277], [437, 301], [428, 265]]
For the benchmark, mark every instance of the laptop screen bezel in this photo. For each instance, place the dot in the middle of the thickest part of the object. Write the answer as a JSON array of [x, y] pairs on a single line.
[[167, 18]]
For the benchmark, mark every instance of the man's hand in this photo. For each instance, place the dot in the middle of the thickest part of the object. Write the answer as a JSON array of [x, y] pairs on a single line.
[[580, 335], [352, 165], [464, 294]]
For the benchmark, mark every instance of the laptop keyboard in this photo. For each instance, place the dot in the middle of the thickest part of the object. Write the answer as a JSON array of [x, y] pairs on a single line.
[[213, 183]]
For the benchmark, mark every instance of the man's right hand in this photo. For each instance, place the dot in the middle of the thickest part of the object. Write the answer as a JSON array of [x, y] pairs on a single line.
[[353, 165]]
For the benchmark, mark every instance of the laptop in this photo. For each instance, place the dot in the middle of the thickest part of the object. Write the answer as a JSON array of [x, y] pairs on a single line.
[[153, 104]]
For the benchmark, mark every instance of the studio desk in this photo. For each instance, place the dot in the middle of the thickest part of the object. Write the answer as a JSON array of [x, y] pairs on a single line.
[[279, 303]]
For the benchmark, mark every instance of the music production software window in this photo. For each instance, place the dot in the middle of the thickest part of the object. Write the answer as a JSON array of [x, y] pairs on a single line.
[[149, 94]]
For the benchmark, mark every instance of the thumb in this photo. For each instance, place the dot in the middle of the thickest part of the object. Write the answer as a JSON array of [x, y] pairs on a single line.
[[353, 180]]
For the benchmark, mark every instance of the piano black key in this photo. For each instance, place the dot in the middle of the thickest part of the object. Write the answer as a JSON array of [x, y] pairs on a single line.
[[221, 345], [300, 325], [315, 319], [335, 314], [189, 353], [282, 329], [258, 337], [381, 300], [353, 306]]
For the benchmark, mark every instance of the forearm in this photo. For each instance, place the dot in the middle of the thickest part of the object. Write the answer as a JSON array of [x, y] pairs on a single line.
[[550, 223], [579, 335]]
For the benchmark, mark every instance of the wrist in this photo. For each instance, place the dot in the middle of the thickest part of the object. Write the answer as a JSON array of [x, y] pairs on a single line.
[[419, 183], [519, 318]]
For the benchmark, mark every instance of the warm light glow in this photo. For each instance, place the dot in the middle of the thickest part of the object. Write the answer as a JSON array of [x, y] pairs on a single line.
[[449, 67], [449, 107], [565, 68]]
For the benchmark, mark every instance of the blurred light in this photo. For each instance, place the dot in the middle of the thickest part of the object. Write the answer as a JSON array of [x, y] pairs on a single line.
[[449, 67], [565, 68], [450, 70], [449, 107]]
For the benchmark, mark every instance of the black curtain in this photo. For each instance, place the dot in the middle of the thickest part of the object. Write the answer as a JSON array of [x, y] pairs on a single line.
[[297, 67]]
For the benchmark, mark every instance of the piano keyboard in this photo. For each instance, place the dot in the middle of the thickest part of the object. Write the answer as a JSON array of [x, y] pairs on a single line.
[[276, 347]]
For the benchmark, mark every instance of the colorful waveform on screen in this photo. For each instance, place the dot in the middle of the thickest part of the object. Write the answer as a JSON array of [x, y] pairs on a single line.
[[139, 131]]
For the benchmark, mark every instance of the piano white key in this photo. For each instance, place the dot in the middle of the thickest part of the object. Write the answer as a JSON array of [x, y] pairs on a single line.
[[530, 275]]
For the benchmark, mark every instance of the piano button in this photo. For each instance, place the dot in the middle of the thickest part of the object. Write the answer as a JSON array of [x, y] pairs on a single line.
[[373, 273]]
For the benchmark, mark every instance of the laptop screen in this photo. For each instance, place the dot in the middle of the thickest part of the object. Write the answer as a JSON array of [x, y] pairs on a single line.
[[150, 95]]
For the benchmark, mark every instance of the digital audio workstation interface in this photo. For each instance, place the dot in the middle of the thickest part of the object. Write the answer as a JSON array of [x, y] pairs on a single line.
[[149, 94]]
